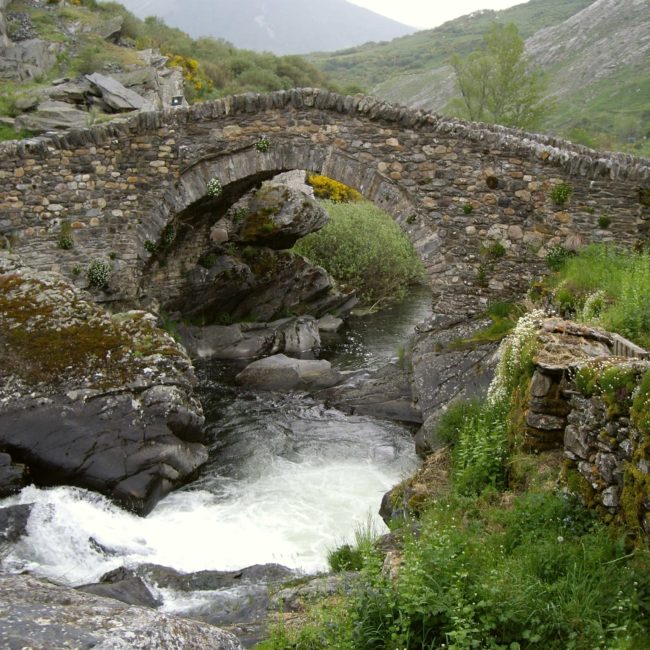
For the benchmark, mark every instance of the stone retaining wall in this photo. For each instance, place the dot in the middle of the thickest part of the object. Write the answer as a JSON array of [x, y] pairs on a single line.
[[473, 198]]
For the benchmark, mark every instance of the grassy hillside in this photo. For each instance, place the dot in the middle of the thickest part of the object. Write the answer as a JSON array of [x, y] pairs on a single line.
[[373, 63], [212, 67], [595, 62]]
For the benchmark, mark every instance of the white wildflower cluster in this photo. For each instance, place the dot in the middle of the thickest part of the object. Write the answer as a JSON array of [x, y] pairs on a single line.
[[214, 187], [513, 356], [593, 307]]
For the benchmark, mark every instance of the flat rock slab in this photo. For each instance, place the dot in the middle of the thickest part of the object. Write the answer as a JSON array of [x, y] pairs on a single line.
[[40, 615], [114, 94], [281, 373], [53, 116]]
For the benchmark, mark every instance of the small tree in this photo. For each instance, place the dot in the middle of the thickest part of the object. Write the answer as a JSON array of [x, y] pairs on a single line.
[[497, 83]]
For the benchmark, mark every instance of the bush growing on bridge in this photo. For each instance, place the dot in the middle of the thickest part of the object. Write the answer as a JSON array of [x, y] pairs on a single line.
[[99, 273], [327, 188], [364, 249]]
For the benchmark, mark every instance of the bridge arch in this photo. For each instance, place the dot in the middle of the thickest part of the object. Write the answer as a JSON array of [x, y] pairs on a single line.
[[458, 189]]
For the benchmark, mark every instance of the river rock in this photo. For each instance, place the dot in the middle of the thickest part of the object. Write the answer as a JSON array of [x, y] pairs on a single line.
[[40, 615], [238, 601], [13, 525], [385, 393], [114, 94], [251, 340], [13, 476], [52, 116], [282, 373], [329, 324], [91, 399], [132, 591]]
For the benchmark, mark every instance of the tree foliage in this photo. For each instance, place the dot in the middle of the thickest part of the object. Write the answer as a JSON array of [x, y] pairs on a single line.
[[497, 82]]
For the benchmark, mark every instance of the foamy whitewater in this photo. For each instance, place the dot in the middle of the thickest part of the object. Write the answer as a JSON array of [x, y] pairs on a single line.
[[288, 479]]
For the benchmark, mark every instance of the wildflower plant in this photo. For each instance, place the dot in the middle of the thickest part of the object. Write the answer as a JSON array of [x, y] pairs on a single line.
[[214, 187], [99, 273], [263, 144], [516, 357]]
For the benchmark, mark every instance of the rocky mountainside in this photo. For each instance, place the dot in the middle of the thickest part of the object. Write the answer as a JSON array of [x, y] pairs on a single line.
[[595, 55], [279, 26]]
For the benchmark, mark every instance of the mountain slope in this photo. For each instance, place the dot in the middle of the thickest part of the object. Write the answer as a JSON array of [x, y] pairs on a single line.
[[374, 63], [595, 54], [279, 26]]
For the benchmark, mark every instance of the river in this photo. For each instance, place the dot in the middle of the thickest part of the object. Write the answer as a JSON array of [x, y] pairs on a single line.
[[287, 480]]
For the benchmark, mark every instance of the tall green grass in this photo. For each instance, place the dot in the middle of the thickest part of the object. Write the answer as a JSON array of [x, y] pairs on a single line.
[[610, 287], [364, 249]]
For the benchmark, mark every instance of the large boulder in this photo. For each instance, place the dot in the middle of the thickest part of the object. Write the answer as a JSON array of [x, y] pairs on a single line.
[[89, 399], [275, 215], [385, 393], [41, 615], [281, 373], [251, 340]]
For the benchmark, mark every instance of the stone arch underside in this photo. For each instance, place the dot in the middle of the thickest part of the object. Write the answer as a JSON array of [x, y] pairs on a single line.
[[473, 199]]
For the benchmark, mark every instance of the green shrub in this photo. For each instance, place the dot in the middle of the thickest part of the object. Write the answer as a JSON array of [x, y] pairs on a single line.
[[65, 242], [604, 222], [263, 144], [496, 250], [208, 260], [99, 273], [150, 246], [468, 208], [345, 558], [560, 193], [556, 257], [363, 248]]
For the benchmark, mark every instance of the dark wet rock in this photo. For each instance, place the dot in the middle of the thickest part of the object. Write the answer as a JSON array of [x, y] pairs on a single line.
[[283, 373], [114, 94], [251, 340], [132, 591], [385, 393], [238, 601], [13, 476], [41, 615], [13, 524], [258, 284], [89, 399]]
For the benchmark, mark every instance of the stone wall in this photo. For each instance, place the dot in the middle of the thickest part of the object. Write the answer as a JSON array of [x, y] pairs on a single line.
[[595, 405], [473, 198]]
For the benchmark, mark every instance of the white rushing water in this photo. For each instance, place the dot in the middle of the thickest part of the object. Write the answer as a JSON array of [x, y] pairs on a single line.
[[288, 479], [301, 491]]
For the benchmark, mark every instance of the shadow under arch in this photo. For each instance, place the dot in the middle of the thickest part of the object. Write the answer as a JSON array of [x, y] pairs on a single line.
[[194, 212]]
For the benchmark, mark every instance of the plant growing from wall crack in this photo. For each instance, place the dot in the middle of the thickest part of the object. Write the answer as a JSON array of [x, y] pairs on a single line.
[[214, 188]]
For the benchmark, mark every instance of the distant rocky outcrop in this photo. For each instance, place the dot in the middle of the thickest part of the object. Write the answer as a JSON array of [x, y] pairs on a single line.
[[41, 615], [104, 402]]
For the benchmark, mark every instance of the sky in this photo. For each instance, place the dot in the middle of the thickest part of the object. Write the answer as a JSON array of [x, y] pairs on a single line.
[[425, 14]]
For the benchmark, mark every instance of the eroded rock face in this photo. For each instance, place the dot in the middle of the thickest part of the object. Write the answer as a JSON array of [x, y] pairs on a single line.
[[41, 615], [103, 402], [447, 366]]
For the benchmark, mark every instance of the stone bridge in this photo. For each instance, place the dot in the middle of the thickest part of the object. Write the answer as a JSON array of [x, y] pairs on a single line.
[[474, 199]]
